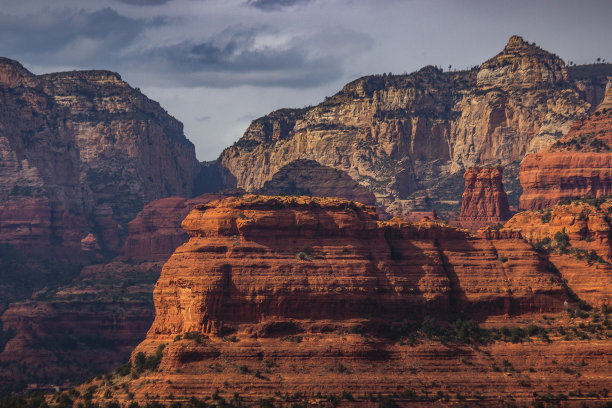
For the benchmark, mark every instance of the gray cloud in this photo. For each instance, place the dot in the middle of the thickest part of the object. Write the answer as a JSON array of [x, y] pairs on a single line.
[[275, 5], [144, 2], [233, 58], [67, 36], [256, 55]]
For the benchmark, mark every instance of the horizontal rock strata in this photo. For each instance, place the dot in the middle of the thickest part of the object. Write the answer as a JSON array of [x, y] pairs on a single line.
[[578, 165], [484, 201]]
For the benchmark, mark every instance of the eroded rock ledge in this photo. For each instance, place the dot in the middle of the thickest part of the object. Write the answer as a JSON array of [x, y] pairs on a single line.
[[254, 258]]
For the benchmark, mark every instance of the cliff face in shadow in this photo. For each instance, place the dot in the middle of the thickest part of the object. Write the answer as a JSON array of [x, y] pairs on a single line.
[[82, 152]]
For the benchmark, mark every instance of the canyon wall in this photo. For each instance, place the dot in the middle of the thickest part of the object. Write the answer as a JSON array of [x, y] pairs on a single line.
[[299, 298], [81, 153], [406, 137]]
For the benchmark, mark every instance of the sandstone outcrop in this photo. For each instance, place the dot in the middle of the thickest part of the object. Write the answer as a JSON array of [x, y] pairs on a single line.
[[578, 165], [81, 153], [291, 297], [300, 257], [484, 201], [405, 137]]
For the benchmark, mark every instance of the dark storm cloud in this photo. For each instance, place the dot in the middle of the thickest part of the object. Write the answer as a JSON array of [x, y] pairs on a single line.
[[66, 36], [233, 58], [258, 56], [274, 5], [144, 2]]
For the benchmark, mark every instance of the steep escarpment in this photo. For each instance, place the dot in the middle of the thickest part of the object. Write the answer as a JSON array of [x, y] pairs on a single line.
[[406, 137], [484, 201], [578, 165], [303, 299], [82, 152]]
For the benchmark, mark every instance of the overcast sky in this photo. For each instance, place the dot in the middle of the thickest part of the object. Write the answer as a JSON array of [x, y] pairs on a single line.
[[217, 64]]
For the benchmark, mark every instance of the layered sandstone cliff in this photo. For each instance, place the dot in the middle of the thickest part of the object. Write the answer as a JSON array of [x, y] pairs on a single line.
[[578, 165], [296, 298], [403, 137], [267, 258], [484, 201], [81, 153], [575, 236]]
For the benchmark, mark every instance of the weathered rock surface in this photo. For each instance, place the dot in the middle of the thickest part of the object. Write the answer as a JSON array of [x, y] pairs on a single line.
[[578, 165], [484, 201], [81, 153], [255, 258], [285, 294], [576, 239], [404, 137]]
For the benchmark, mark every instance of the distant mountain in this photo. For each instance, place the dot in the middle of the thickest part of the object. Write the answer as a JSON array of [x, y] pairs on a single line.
[[408, 138]]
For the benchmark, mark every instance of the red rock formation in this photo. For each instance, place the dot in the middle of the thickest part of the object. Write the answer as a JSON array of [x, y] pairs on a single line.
[[293, 295], [578, 165], [484, 201], [576, 239], [81, 153], [270, 257]]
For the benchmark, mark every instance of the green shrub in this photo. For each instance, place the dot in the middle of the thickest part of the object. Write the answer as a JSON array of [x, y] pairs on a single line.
[[303, 256], [197, 337], [142, 362]]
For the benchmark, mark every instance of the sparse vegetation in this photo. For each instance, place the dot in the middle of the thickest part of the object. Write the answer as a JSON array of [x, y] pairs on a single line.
[[305, 254], [230, 339], [194, 336], [143, 362]]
